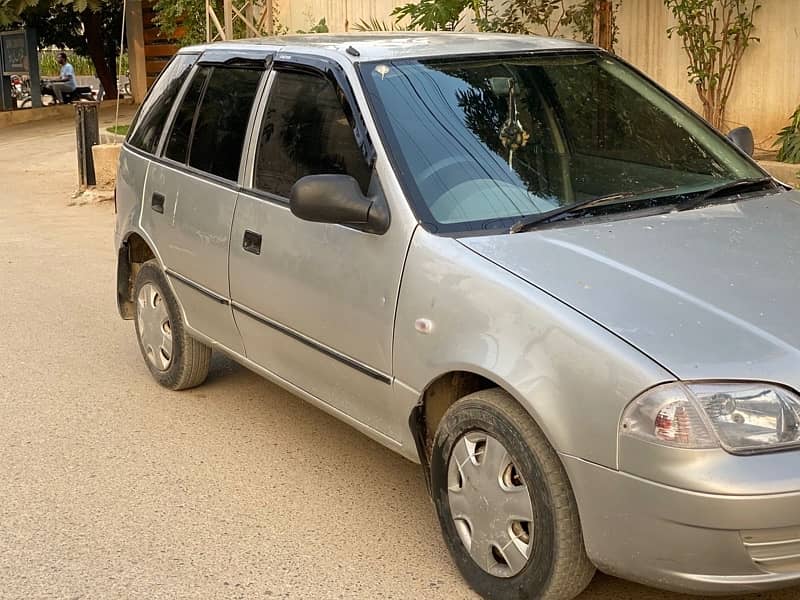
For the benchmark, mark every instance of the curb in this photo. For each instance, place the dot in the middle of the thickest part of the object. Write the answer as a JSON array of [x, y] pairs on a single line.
[[45, 113]]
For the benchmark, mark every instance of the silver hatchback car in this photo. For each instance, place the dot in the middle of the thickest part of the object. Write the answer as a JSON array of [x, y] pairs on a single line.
[[514, 260]]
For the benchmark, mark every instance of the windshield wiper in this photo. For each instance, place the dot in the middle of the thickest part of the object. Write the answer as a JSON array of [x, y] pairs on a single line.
[[725, 189], [563, 212]]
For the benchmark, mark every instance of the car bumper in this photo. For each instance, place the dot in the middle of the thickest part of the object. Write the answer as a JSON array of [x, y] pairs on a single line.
[[686, 541]]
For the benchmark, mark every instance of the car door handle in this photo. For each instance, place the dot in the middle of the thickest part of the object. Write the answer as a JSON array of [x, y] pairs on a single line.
[[157, 202], [251, 241]]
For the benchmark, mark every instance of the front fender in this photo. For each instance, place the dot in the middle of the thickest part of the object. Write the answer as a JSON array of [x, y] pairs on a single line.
[[573, 376]]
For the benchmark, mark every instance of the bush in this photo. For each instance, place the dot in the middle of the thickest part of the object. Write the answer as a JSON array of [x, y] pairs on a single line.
[[789, 140], [48, 67]]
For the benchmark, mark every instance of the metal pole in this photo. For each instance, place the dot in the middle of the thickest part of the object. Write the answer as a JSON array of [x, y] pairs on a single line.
[[87, 129]]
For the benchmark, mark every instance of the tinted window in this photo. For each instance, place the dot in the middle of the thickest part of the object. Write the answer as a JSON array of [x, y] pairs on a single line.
[[178, 143], [305, 132], [222, 121], [146, 131]]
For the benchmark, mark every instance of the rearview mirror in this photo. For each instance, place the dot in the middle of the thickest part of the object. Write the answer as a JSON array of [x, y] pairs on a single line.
[[337, 199], [743, 138]]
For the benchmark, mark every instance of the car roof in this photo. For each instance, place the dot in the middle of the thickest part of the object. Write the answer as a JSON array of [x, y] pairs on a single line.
[[397, 45]]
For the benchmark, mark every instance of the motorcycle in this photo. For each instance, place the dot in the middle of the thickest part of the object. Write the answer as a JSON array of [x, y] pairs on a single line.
[[49, 97]]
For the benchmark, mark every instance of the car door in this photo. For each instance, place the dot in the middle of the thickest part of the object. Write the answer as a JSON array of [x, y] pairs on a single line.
[[315, 302], [191, 191]]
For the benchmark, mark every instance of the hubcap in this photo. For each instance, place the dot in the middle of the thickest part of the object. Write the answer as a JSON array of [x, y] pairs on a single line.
[[490, 504], [155, 329]]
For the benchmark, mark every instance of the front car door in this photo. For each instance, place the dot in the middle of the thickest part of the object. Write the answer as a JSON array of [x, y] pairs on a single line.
[[315, 303], [192, 187]]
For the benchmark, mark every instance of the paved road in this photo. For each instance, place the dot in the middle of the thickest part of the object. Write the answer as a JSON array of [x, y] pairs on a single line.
[[111, 487]]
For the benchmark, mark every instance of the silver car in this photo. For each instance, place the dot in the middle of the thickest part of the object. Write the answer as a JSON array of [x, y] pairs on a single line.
[[514, 260]]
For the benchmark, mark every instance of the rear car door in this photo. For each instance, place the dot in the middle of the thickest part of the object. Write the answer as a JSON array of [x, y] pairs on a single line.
[[315, 302], [191, 189]]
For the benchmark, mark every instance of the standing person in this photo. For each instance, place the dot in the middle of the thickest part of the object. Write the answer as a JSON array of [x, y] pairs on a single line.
[[66, 81]]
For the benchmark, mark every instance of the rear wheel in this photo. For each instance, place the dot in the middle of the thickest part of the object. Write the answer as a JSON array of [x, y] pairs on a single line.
[[176, 360], [504, 502]]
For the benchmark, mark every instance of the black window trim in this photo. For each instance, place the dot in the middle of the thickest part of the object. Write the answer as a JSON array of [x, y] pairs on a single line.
[[333, 72], [164, 142], [149, 93]]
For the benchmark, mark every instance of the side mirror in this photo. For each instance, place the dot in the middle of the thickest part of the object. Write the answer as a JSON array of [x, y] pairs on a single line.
[[337, 199], [743, 138]]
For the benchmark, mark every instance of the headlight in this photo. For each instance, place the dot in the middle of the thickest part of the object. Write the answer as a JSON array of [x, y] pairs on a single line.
[[743, 418]]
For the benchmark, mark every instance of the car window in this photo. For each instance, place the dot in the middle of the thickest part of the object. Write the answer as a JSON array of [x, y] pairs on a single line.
[[305, 132], [178, 142], [601, 110], [146, 130], [222, 120]]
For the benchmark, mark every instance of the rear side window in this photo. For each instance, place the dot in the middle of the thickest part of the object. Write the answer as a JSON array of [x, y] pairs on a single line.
[[305, 132], [178, 142], [150, 121], [222, 120]]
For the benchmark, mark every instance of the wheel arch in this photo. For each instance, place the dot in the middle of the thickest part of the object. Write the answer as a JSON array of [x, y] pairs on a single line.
[[133, 253], [440, 394]]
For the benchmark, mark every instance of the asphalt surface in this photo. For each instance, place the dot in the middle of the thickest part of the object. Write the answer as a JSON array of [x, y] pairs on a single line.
[[112, 487]]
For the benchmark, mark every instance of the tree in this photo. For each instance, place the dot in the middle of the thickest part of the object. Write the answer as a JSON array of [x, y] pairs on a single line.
[[89, 27], [715, 35]]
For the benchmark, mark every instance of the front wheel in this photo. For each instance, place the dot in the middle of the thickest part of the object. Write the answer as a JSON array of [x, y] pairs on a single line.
[[504, 502], [175, 360]]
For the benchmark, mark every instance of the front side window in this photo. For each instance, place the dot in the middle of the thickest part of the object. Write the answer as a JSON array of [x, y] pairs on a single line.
[[305, 132], [146, 131], [483, 142]]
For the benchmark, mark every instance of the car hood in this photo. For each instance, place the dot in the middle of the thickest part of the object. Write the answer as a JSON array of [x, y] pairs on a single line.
[[707, 293]]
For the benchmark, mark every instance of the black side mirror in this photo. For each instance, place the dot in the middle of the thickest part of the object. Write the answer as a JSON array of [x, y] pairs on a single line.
[[337, 199], [743, 138]]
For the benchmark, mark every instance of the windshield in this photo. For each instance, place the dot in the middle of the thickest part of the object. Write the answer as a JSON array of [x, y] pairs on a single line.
[[482, 142]]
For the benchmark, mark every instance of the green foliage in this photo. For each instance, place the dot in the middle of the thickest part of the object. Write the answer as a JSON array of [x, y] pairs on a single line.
[[87, 27], [789, 140], [83, 66], [320, 27], [190, 16], [580, 17], [187, 14], [505, 16], [432, 15], [11, 11], [118, 129], [715, 35], [377, 25]]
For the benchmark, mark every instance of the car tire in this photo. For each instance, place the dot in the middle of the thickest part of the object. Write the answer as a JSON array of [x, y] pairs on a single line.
[[537, 550], [176, 360]]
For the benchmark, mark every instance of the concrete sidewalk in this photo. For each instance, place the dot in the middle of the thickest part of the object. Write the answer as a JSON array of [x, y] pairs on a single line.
[[26, 144]]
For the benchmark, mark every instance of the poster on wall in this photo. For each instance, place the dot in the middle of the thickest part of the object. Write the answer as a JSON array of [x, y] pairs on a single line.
[[14, 52]]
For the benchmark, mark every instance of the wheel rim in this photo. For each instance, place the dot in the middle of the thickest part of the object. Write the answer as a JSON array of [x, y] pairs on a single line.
[[155, 328], [490, 504]]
